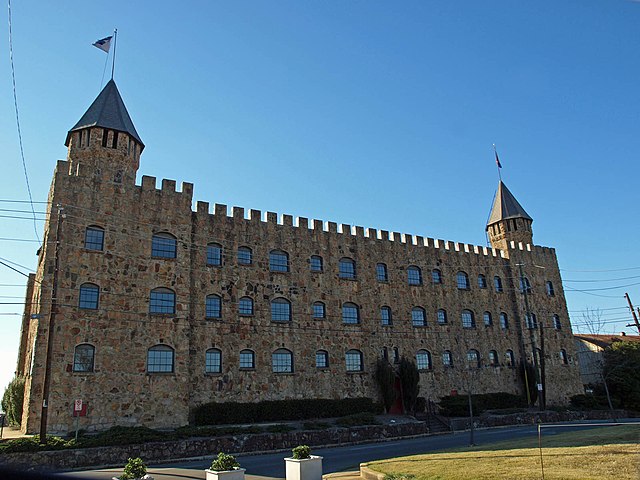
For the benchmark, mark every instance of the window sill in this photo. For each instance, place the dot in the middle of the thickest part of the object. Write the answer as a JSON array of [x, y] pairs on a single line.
[[92, 250], [349, 279], [163, 258], [211, 319], [212, 374], [285, 374], [247, 369], [161, 374], [355, 372], [162, 315]]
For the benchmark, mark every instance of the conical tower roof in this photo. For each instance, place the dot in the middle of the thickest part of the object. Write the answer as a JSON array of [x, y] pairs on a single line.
[[107, 111], [506, 206]]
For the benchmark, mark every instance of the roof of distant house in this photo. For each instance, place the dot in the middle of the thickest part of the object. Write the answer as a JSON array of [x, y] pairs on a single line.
[[604, 341]]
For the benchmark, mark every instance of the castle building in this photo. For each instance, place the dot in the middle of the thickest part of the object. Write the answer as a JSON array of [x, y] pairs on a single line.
[[145, 308]]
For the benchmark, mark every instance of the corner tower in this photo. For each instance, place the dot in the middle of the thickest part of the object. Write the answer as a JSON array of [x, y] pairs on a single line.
[[508, 222], [104, 144]]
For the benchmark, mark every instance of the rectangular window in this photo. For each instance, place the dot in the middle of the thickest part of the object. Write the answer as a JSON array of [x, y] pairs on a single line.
[[163, 246], [214, 255]]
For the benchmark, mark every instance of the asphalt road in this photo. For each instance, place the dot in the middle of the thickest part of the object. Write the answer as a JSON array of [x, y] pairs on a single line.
[[336, 459]]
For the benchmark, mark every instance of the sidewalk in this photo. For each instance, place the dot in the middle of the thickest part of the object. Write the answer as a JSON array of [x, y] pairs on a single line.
[[12, 432], [352, 475]]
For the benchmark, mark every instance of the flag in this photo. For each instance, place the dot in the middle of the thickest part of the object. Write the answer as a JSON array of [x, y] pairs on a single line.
[[104, 44], [498, 161]]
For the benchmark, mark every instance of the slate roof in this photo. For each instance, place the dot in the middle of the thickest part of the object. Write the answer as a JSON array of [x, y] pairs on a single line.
[[506, 206], [107, 111]]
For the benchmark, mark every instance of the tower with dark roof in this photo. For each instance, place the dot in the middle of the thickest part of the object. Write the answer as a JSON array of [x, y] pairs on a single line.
[[508, 222], [104, 143]]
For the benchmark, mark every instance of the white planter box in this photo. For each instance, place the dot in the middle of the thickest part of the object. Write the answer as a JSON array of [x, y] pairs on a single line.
[[237, 474], [305, 469]]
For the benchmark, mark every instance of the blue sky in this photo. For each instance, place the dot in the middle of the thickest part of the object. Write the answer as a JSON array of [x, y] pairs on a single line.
[[374, 113]]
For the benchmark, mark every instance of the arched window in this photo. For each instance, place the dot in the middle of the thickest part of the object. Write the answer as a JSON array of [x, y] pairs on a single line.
[[473, 358], [282, 361], [396, 355], [418, 317], [385, 316], [532, 321], [280, 310], [482, 281], [493, 358], [504, 321], [160, 359], [488, 320], [347, 268], [350, 313], [162, 300], [549, 287], [89, 296], [214, 254], [423, 360], [497, 284], [385, 353], [94, 238], [525, 286], [319, 310], [467, 319], [315, 263], [414, 275], [247, 359], [563, 357], [463, 281], [245, 256], [245, 306], [447, 358], [278, 261], [213, 306], [354, 361], [213, 361], [509, 359], [436, 276], [556, 323], [322, 359], [381, 272], [164, 245], [442, 316], [83, 358]]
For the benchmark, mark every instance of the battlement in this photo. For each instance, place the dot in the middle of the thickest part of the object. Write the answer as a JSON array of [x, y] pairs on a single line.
[[205, 213], [519, 246], [167, 190]]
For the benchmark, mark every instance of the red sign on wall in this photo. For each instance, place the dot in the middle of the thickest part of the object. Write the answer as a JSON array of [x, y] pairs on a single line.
[[80, 408]]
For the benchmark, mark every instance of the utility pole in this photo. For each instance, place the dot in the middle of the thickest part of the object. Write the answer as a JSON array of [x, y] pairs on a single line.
[[633, 312], [528, 318], [52, 314]]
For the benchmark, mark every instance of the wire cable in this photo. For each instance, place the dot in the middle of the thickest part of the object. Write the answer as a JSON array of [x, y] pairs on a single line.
[[15, 103]]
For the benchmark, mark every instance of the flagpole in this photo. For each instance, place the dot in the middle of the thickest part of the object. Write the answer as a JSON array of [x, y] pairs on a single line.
[[115, 41], [498, 166]]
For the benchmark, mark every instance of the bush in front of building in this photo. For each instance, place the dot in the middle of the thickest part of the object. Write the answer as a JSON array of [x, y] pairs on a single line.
[[12, 401], [458, 405], [276, 410], [357, 420]]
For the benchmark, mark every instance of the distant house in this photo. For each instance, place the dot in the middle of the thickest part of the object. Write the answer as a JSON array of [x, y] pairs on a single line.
[[590, 348]]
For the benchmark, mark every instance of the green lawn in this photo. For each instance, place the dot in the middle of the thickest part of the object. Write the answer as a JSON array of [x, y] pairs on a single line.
[[584, 454]]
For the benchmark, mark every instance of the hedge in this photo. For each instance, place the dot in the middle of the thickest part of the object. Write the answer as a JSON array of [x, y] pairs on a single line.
[[458, 405], [276, 410]]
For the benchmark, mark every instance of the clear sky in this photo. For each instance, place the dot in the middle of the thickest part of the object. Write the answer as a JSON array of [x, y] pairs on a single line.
[[373, 113]]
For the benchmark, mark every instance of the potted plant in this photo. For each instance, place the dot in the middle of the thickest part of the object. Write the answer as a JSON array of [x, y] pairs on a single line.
[[302, 465], [135, 469], [225, 467]]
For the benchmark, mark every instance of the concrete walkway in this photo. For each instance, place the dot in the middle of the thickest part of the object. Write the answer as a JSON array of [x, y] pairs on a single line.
[[9, 433]]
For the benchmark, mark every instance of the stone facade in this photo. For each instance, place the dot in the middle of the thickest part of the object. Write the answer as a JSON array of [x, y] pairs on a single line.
[[95, 189]]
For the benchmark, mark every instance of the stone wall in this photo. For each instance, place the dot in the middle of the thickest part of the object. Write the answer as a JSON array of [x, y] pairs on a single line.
[[198, 447]]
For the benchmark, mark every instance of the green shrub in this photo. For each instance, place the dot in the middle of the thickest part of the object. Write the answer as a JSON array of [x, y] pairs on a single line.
[[224, 462], [358, 419], [135, 468], [125, 436], [32, 444], [410, 380], [589, 402], [12, 401], [316, 425], [301, 452], [280, 428], [276, 410], [458, 405], [385, 378]]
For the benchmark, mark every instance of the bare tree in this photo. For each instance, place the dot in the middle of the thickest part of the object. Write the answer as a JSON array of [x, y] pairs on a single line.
[[593, 321]]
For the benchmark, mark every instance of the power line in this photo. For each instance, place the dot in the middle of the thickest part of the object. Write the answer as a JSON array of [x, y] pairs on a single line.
[[15, 103], [602, 280], [4, 200]]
